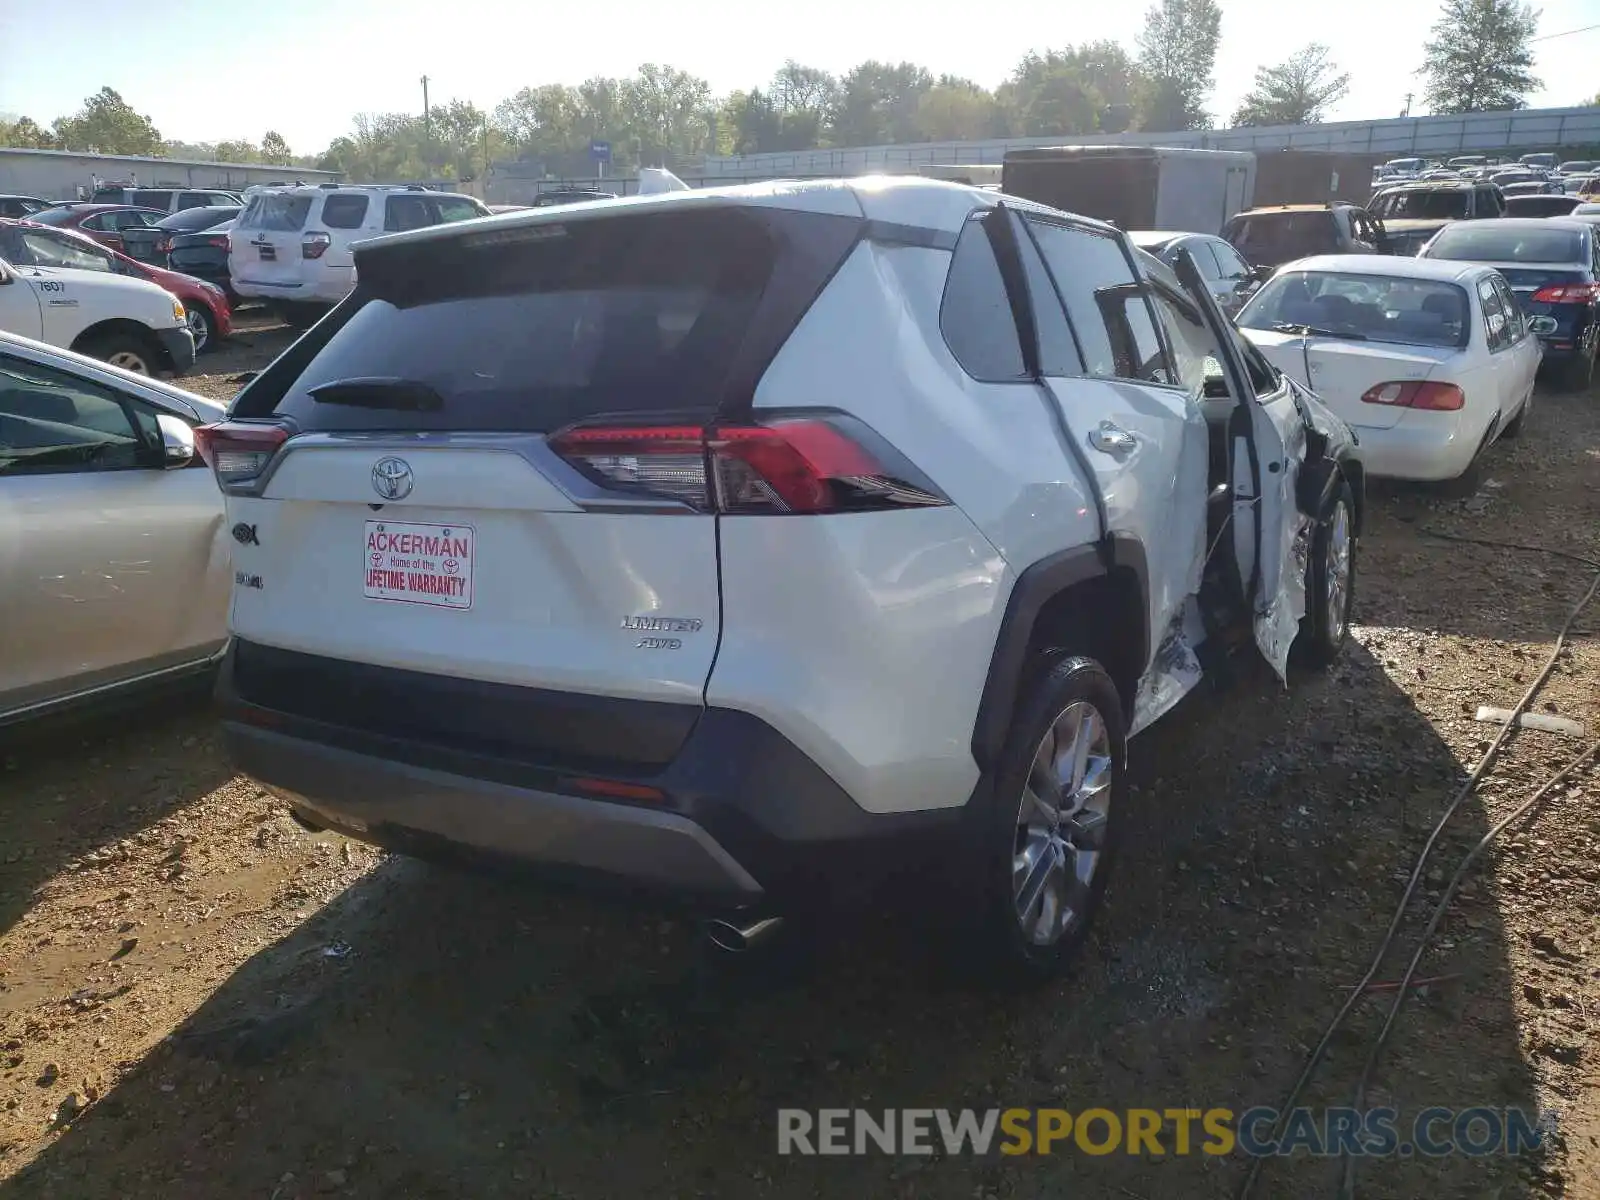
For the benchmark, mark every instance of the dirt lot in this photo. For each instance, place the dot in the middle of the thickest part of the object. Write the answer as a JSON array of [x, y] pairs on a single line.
[[198, 998]]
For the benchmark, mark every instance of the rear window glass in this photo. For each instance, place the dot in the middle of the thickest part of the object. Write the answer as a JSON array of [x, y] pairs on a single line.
[[1272, 237], [1444, 204], [1376, 308], [195, 218], [534, 328], [344, 212], [279, 213], [1495, 242]]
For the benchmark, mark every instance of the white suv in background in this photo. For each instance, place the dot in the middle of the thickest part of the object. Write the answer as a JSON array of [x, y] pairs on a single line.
[[753, 542], [292, 245]]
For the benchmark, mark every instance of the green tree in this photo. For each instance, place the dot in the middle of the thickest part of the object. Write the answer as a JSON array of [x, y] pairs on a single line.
[[753, 122], [1177, 59], [107, 124], [1295, 92], [1050, 94], [669, 114], [797, 88], [877, 103], [25, 134], [955, 110], [1479, 57], [275, 149], [241, 150]]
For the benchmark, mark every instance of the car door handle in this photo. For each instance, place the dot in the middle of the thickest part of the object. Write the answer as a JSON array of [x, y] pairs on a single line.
[[1113, 440]]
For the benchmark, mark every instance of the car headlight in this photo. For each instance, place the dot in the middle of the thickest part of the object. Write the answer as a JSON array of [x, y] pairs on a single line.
[[177, 311]]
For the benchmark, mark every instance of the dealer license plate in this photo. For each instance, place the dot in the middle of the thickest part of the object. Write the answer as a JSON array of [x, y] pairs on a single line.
[[419, 564]]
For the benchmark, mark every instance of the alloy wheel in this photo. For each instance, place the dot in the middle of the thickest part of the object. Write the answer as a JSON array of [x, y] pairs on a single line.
[[1061, 824]]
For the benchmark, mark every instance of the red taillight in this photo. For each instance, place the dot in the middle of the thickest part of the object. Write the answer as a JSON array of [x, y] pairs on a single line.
[[1438, 397], [1568, 293], [238, 452], [799, 465], [219, 240], [164, 246], [313, 244]]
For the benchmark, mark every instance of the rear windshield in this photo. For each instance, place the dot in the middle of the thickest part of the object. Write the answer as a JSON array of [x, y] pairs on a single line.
[[1275, 237], [276, 213], [1446, 204], [533, 328], [1377, 308], [1495, 242], [196, 218], [1540, 206]]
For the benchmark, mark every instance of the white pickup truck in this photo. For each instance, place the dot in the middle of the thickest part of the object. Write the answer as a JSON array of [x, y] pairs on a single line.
[[129, 323]]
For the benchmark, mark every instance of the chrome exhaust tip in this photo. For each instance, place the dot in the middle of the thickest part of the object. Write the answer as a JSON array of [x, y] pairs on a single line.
[[737, 938]]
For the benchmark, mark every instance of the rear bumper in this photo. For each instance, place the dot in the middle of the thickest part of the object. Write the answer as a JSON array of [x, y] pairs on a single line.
[[328, 285], [1426, 447], [742, 816]]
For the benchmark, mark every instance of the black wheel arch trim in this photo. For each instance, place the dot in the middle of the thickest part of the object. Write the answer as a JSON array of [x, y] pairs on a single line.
[[1035, 588]]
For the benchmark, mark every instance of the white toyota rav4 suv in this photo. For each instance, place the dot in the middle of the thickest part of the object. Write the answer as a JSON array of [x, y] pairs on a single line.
[[292, 244], [744, 542]]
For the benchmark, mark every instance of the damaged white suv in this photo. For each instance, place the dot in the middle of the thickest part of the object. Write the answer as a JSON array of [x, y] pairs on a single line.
[[747, 542]]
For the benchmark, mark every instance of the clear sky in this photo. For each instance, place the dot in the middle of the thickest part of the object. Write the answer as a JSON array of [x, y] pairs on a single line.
[[205, 72]]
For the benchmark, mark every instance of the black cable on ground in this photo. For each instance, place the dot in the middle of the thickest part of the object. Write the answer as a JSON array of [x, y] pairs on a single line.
[[1592, 563], [1321, 1048], [1347, 1186]]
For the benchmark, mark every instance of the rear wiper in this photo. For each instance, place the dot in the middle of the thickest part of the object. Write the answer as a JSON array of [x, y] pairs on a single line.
[[379, 391], [1318, 331]]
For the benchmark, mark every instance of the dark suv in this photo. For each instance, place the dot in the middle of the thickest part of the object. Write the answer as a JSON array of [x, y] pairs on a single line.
[[1413, 212], [1270, 237]]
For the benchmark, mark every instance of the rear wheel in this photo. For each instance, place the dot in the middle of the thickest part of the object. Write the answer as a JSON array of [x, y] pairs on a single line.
[[300, 315], [126, 350], [1330, 582], [1577, 373], [1055, 821]]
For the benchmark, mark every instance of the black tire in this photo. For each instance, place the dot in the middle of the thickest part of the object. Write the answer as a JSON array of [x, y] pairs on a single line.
[[1326, 625], [203, 325], [1062, 688], [1577, 373], [300, 315], [1514, 430], [126, 350]]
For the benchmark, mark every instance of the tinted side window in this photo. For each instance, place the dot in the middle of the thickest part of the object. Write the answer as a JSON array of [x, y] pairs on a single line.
[[147, 198], [1233, 267], [1494, 317], [52, 422], [1516, 326], [975, 315], [344, 211], [1105, 303], [406, 212], [192, 200], [1204, 259]]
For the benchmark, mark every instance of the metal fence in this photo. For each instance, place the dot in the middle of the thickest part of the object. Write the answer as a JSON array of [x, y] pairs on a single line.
[[1529, 129]]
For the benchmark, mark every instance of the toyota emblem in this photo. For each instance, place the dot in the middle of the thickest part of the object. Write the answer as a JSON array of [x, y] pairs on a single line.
[[391, 478]]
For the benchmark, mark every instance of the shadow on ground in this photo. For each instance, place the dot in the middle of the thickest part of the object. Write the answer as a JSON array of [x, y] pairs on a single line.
[[56, 807], [486, 1038]]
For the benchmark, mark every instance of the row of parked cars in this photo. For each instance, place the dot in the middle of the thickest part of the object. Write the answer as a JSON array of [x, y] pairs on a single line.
[[211, 251], [882, 418]]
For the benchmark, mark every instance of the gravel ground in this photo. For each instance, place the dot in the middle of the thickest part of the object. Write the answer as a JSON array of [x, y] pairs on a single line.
[[198, 998]]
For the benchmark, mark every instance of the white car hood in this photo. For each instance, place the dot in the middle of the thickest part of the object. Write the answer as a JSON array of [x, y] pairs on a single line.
[[1341, 369], [117, 294]]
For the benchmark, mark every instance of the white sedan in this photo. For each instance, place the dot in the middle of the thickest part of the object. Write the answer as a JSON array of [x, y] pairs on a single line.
[[114, 555], [1429, 361]]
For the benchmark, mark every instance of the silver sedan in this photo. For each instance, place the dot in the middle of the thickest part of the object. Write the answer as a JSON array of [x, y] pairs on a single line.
[[114, 555]]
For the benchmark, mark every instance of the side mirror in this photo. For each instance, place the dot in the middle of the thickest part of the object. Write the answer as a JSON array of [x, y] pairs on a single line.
[[1261, 274], [177, 441]]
